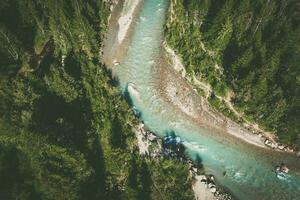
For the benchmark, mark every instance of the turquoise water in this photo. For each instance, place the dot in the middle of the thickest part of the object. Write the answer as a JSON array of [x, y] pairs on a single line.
[[249, 170]]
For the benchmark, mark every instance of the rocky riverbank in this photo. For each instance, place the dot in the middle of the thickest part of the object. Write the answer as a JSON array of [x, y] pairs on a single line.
[[171, 147], [206, 112], [179, 93], [171, 92], [123, 17]]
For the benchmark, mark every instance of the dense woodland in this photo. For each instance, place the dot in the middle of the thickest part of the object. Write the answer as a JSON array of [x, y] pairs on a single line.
[[65, 132], [250, 48]]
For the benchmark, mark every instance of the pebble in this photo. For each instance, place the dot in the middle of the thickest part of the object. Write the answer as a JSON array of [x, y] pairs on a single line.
[[213, 190]]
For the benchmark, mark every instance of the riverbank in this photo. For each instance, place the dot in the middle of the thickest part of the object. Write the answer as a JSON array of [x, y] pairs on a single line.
[[241, 167], [170, 147], [125, 20], [174, 87], [247, 132], [115, 49], [124, 15], [230, 87]]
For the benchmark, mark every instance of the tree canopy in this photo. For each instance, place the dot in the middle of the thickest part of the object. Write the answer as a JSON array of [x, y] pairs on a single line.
[[250, 47], [65, 131]]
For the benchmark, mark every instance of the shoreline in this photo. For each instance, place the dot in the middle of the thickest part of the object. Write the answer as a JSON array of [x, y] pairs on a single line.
[[247, 134], [154, 147], [125, 20], [118, 36], [176, 90], [113, 54]]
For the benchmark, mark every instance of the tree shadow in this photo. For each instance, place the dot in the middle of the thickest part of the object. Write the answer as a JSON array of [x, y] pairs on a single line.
[[63, 123], [16, 174], [198, 162], [133, 174], [127, 96], [171, 133], [144, 192], [117, 138], [95, 186]]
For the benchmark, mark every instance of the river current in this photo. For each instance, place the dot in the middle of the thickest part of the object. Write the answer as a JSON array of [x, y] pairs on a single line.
[[245, 170]]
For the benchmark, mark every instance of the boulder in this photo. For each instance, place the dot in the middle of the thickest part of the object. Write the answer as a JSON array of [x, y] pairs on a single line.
[[211, 177], [152, 137], [211, 185], [202, 178], [194, 169], [266, 142], [115, 62], [284, 169], [213, 190]]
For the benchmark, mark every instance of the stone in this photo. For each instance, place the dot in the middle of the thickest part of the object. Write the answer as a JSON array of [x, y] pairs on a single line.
[[266, 141], [281, 147], [194, 169], [274, 145], [152, 137], [211, 185], [115, 62], [284, 169], [202, 178], [213, 190], [211, 177], [178, 139]]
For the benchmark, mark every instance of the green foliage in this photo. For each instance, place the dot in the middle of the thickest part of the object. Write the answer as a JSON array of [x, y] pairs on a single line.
[[171, 180], [65, 132], [16, 173], [221, 106], [255, 45], [33, 169]]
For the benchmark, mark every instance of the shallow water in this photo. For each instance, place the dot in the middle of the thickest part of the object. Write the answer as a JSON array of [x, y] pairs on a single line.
[[249, 170]]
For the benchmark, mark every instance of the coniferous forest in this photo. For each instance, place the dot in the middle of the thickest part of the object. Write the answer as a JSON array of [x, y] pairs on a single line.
[[65, 131], [247, 48]]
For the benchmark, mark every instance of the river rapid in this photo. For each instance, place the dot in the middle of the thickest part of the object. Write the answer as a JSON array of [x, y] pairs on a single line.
[[245, 170]]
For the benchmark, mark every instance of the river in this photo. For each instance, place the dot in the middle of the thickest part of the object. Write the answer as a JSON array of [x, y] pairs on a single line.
[[245, 170]]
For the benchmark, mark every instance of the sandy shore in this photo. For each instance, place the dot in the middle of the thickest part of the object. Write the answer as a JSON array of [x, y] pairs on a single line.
[[248, 132], [172, 86], [115, 48], [175, 88], [230, 126], [177, 64], [201, 191], [124, 15], [143, 145]]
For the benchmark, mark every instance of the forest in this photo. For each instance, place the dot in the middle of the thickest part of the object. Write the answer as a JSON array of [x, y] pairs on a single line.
[[65, 130], [248, 49]]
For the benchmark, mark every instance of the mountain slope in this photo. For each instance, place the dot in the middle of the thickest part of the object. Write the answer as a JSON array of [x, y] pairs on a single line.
[[65, 131], [248, 51]]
